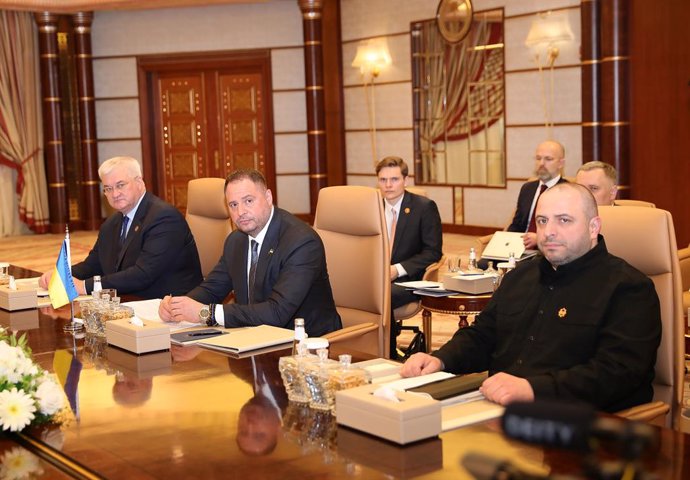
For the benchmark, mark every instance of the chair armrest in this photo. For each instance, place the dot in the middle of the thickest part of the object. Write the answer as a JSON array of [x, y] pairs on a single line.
[[352, 331], [647, 412]]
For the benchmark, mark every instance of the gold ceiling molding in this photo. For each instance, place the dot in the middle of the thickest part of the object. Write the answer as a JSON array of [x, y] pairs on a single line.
[[73, 6]]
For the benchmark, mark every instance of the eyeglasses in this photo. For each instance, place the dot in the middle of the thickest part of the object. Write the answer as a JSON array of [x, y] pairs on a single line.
[[119, 186]]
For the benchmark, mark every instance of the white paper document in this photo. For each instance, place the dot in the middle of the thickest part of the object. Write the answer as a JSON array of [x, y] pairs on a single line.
[[147, 310], [420, 284], [407, 383]]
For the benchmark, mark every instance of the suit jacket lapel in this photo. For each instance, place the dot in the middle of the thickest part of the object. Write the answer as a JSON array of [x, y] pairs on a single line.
[[268, 249], [403, 217], [134, 228]]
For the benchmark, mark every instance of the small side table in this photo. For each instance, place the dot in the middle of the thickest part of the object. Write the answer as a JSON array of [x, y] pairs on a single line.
[[461, 305]]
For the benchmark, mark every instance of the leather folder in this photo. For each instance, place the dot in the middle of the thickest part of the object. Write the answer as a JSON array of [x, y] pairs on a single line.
[[451, 387]]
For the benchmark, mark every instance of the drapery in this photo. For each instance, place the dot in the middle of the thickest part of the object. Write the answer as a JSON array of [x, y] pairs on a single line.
[[22, 171]]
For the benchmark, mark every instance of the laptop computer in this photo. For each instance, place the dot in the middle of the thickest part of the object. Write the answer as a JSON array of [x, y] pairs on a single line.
[[503, 243]]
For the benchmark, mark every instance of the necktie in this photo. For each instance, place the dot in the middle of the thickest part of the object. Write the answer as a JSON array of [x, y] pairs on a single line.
[[123, 232], [394, 222], [533, 221], [252, 269]]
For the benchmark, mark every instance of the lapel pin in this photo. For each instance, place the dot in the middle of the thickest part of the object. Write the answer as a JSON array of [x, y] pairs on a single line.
[[562, 312], [407, 210], [270, 252], [136, 228]]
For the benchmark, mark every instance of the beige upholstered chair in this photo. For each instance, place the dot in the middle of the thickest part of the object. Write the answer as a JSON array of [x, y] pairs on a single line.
[[654, 252], [624, 202], [208, 218], [684, 259], [351, 224]]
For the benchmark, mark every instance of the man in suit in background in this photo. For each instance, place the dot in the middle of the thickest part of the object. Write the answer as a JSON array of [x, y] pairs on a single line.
[[549, 161], [274, 262], [601, 179], [144, 249], [414, 232]]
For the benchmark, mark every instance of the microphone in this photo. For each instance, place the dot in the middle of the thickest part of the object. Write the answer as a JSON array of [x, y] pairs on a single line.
[[575, 427], [554, 424], [485, 467]]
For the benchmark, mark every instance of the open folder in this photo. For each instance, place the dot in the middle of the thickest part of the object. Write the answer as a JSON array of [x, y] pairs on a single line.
[[239, 340]]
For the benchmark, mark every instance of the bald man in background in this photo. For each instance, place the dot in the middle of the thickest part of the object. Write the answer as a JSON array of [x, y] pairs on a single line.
[[549, 160]]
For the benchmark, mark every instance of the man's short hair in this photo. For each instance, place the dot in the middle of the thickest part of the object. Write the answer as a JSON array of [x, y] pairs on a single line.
[[589, 203], [393, 162], [609, 170], [130, 164], [247, 173]]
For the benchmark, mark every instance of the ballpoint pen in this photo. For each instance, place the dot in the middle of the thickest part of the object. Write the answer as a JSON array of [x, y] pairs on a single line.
[[204, 334]]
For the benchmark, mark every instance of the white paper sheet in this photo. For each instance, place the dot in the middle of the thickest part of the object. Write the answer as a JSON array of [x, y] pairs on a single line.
[[147, 310]]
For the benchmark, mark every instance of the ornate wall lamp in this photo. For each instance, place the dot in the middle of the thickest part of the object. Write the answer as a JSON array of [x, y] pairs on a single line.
[[372, 57], [548, 31]]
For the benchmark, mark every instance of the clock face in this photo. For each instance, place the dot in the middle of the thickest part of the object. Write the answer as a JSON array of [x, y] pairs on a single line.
[[454, 19]]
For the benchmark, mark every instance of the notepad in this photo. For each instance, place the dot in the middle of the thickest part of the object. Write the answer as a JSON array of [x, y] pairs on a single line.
[[239, 340]]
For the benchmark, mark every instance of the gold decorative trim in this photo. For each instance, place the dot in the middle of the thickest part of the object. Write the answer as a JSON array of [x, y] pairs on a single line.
[[590, 62], [312, 15], [90, 182], [615, 58], [54, 142], [49, 55], [84, 55], [56, 458], [312, 42], [314, 87], [47, 28], [86, 99], [615, 124], [316, 132], [82, 29], [591, 124], [88, 140], [318, 175], [52, 99], [56, 185]]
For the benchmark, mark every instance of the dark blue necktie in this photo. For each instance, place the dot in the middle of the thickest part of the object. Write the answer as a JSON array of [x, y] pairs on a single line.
[[252, 269], [123, 232]]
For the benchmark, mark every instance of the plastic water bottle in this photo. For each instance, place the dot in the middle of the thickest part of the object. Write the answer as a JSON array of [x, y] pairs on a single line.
[[472, 265], [300, 334], [97, 287]]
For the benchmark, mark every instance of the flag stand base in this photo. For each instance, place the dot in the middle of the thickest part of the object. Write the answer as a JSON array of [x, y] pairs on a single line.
[[72, 326]]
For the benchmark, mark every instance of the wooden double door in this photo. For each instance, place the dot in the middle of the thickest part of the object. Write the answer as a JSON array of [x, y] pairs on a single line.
[[207, 119]]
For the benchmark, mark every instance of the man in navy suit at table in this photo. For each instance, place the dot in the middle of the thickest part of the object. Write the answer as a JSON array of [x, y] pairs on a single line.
[[274, 263], [145, 248], [549, 160], [414, 232]]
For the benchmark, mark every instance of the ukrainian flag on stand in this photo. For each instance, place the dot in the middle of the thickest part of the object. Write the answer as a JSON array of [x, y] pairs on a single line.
[[61, 287]]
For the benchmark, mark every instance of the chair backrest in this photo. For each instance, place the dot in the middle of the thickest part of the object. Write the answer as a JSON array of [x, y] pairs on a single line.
[[352, 225], [208, 219], [624, 202], [654, 252], [417, 190]]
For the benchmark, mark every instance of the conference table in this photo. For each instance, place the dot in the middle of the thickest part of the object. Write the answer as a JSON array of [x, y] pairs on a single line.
[[194, 413]]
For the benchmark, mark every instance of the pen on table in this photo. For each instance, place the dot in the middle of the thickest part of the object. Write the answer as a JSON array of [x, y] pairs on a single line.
[[203, 334]]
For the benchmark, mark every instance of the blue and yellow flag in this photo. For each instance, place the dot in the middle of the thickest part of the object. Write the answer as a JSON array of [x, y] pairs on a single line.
[[61, 287]]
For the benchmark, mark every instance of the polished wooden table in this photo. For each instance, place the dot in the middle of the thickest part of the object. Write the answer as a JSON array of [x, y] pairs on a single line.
[[192, 413], [462, 305]]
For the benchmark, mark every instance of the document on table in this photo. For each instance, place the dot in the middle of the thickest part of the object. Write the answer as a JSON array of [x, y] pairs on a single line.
[[420, 284], [147, 310], [245, 339]]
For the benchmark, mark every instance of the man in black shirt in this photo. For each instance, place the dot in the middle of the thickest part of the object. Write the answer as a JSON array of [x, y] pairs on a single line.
[[576, 323]]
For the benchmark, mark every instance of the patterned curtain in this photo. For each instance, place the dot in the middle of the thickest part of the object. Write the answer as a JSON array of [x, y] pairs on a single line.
[[22, 172]]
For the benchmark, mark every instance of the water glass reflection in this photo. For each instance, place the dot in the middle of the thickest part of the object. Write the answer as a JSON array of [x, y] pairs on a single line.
[[453, 264]]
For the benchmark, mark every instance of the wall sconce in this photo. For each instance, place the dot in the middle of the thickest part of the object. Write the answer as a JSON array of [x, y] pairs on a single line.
[[548, 30], [372, 56]]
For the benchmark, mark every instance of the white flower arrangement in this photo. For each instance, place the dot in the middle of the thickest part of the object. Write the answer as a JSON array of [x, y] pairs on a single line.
[[27, 392]]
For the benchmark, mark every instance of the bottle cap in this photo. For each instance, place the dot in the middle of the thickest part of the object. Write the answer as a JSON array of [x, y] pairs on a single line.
[[316, 343]]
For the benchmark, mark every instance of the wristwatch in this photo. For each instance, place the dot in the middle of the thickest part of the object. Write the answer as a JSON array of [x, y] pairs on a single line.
[[205, 314]]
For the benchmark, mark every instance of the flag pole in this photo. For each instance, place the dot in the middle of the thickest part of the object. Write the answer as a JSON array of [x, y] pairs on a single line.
[[72, 326]]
